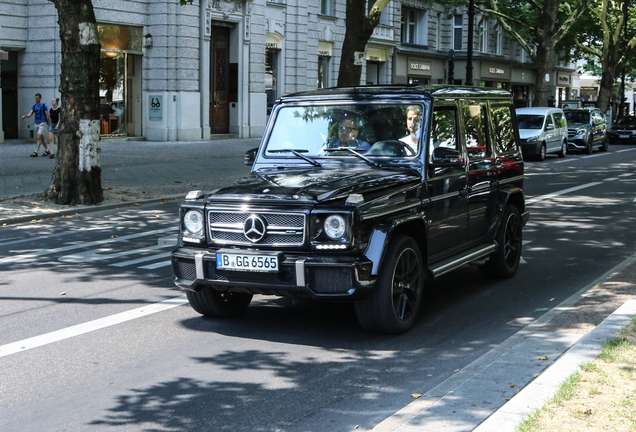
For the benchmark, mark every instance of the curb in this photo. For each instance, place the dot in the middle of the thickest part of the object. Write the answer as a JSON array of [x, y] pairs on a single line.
[[83, 209], [536, 394]]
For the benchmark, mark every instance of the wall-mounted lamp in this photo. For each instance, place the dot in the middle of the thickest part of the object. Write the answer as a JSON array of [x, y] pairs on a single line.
[[148, 40]]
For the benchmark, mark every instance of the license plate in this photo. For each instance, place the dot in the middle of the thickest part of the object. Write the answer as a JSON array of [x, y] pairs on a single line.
[[247, 262], [623, 136]]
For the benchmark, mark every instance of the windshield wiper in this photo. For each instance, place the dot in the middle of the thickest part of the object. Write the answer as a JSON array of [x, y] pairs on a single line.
[[354, 151], [299, 154]]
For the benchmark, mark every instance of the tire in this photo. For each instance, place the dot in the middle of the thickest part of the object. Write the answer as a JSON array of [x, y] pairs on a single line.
[[589, 148], [212, 303], [504, 262], [605, 146], [393, 305], [564, 150], [542, 152]]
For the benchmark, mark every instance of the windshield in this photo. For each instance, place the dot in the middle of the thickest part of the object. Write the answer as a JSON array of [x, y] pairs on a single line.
[[577, 116], [367, 128], [627, 121], [527, 121]]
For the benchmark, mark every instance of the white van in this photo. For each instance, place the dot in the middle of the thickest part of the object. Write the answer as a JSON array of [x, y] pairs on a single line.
[[542, 130]]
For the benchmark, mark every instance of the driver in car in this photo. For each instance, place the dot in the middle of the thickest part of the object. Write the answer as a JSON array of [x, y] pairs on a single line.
[[348, 136]]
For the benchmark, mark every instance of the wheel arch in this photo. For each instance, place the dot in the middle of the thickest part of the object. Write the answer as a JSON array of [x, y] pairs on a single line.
[[411, 225], [505, 197]]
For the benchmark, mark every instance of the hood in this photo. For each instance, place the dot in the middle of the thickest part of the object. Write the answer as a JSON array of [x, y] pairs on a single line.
[[315, 184], [527, 133], [577, 125]]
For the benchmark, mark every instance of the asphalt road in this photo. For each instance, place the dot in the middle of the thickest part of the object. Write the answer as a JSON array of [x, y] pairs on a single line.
[[95, 337]]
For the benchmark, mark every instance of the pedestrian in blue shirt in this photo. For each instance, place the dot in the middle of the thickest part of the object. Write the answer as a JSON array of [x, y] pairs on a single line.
[[42, 120]]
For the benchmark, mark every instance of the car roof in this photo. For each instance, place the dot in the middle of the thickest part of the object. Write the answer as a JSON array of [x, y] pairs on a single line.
[[397, 91], [538, 110]]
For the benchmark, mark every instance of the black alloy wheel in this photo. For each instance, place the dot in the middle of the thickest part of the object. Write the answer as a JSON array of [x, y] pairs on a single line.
[[504, 262], [394, 303]]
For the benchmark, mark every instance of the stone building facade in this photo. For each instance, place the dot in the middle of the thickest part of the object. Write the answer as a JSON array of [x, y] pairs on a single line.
[[213, 68]]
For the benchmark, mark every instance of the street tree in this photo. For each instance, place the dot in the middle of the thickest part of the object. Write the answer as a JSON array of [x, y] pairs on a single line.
[[77, 173], [359, 28], [613, 23], [538, 26]]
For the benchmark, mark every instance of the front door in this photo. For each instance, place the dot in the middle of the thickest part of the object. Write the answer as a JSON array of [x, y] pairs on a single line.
[[219, 80]]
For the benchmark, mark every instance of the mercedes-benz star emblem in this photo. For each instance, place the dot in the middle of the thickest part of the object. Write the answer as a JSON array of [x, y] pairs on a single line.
[[254, 228]]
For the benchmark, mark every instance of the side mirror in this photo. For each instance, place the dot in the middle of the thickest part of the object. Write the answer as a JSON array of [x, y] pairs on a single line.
[[445, 157], [250, 156], [549, 127]]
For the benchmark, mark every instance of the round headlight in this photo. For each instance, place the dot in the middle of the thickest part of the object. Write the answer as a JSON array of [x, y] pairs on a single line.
[[335, 226], [193, 221]]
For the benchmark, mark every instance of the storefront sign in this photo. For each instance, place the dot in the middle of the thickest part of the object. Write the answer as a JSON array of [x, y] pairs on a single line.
[[155, 108], [325, 49], [490, 72], [419, 67], [273, 42], [564, 79], [496, 71]]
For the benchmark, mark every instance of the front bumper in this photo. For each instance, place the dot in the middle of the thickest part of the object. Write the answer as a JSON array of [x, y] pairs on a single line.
[[622, 137], [577, 141], [317, 276], [530, 148]]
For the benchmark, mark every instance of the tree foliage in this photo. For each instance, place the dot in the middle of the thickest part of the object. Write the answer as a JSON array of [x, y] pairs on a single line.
[[606, 37], [539, 26]]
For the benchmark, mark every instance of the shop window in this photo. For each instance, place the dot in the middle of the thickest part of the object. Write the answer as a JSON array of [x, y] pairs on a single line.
[[414, 26], [272, 58], [323, 71], [419, 81], [458, 32]]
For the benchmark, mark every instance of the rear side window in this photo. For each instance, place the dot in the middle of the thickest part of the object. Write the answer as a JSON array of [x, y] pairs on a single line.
[[559, 120], [504, 131], [475, 131]]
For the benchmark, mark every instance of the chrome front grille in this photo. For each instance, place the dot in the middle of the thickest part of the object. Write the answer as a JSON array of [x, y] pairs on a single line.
[[283, 229]]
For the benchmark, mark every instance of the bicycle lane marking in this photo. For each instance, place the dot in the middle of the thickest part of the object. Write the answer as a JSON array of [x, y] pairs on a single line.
[[90, 326]]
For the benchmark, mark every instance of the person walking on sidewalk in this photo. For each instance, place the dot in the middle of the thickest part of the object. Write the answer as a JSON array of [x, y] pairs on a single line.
[[42, 120], [54, 127]]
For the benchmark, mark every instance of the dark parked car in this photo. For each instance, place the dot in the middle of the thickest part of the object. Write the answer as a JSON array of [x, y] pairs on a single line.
[[587, 128], [624, 131], [362, 195]]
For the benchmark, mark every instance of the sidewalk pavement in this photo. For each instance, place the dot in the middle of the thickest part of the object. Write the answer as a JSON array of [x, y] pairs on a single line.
[[492, 394]]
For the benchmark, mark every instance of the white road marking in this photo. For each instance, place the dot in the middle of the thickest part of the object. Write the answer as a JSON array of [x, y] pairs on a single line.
[[87, 327], [22, 257], [99, 254], [626, 150], [595, 155], [141, 260], [626, 175], [610, 179], [156, 265], [561, 192]]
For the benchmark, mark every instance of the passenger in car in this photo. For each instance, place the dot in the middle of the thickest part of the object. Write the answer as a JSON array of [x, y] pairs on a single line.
[[413, 117]]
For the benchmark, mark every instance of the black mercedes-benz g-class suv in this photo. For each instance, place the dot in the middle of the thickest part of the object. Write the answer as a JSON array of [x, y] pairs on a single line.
[[364, 195]]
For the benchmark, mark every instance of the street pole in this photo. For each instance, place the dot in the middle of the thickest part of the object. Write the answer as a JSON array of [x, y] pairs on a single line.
[[469, 54]]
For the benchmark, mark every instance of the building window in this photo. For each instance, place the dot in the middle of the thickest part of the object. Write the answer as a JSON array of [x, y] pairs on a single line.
[[458, 26], [414, 26], [271, 75], [499, 40], [323, 71], [438, 32], [326, 7], [483, 35]]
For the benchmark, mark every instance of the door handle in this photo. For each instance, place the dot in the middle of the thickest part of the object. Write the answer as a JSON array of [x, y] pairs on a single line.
[[463, 192]]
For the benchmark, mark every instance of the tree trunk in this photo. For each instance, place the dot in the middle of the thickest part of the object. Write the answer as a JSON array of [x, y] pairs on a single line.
[[359, 29], [606, 88], [545, 57], [77, 174]]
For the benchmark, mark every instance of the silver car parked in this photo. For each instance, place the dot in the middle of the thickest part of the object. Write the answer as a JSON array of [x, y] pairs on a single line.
[[542, 130]]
